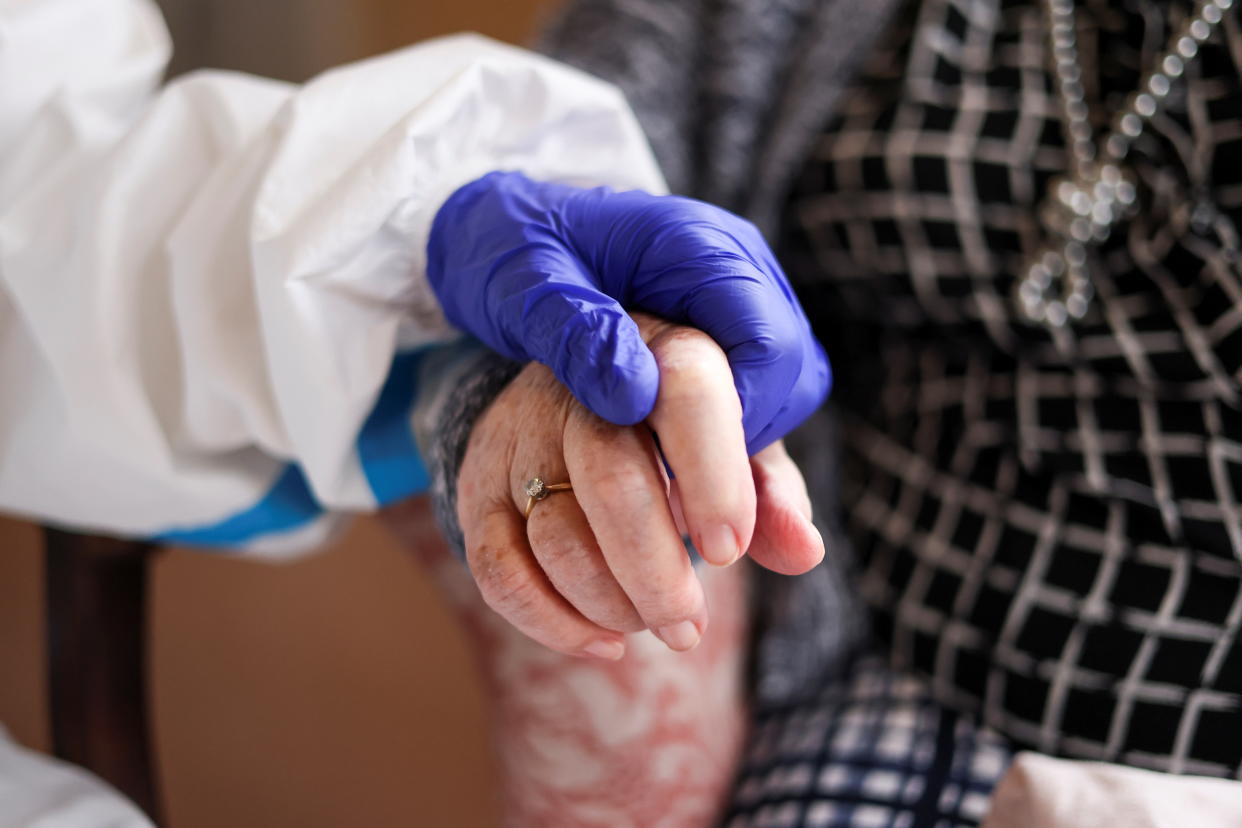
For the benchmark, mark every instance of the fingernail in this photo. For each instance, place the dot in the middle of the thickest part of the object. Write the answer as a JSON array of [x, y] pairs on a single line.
[[605, 649], [681, 636], [720, 546]]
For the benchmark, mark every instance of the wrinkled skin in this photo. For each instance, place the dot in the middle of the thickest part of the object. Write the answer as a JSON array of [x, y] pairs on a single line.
[[631, 733], [608, 558], [650, 741]]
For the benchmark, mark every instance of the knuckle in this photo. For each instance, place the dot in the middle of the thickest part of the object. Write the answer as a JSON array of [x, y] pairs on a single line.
[[678, 338], [588, 434], [490, 446], [687, 357], [630, 485]]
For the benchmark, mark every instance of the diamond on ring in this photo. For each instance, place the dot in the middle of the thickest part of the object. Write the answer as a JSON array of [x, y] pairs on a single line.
[[536, 490]]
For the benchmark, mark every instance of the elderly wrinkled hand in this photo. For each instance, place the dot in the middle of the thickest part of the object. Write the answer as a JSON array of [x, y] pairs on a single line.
[[608, 558]]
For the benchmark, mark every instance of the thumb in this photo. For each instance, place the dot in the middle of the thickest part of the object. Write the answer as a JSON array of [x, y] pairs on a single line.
[[593, 347]]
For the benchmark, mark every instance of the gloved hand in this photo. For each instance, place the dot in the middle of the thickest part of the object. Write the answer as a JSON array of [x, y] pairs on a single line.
[[544, 272]]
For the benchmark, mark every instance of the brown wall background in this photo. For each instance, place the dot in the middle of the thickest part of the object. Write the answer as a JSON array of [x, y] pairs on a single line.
[[335, 691]]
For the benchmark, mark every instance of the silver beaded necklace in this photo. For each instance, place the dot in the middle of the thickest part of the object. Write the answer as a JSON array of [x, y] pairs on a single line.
[[1084, 205]]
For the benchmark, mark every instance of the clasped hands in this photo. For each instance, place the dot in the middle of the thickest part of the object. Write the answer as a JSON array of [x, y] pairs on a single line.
[[704, 387], [608, 558]]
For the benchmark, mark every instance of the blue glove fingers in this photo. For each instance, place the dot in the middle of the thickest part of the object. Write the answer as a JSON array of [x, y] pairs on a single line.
[[764, 336], [808, 394], [694, 263], [470, 232], [766, 370], [490, 242], [547, 308], [592, 346], [502, 271], [541, 271]]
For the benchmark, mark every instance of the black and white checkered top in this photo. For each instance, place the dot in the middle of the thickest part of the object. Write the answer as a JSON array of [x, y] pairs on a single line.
[[1051, 534]]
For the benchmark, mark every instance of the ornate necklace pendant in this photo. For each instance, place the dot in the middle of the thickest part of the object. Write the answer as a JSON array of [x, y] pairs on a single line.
[[1080, 211]]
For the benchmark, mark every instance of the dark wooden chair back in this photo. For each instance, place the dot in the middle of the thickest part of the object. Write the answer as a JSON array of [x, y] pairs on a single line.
[[97, 659]]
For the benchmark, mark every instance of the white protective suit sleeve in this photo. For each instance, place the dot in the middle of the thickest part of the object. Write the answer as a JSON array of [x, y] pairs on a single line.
[[37, 791], [205, 286]]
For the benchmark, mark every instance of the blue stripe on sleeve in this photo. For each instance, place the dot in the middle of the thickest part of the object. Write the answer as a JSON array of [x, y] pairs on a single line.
[[287, 505], [386, 448]]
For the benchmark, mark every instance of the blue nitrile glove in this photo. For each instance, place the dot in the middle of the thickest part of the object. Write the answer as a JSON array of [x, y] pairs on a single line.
[[545, 272]]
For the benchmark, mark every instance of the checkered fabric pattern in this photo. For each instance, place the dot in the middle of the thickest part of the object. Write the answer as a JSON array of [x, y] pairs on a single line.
[[873, 751], [1049, 527]]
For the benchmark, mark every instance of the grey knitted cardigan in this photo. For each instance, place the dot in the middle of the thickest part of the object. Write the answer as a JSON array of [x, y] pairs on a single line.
[[731, 94]]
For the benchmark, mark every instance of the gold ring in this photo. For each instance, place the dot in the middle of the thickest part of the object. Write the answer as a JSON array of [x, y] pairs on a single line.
[[536, 490]]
